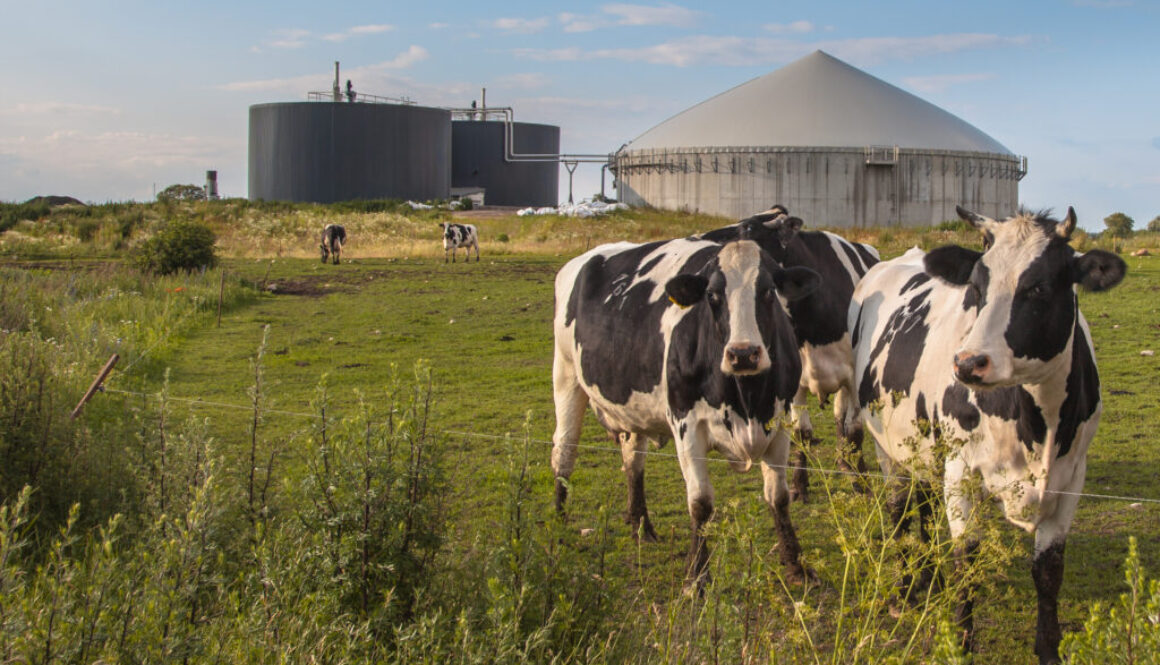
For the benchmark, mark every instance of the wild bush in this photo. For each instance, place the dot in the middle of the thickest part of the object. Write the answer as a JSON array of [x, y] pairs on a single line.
[[180, 245], [1126, 632]]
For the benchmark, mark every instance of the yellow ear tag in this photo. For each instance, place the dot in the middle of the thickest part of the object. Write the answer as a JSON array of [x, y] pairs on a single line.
[[678, 304]]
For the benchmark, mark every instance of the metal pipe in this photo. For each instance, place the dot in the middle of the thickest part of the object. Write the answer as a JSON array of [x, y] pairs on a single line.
[[510, 155]]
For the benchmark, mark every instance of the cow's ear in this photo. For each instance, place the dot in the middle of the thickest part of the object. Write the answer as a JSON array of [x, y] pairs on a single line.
[[686, 290], [796, 282], [787, 229], [951, 263], [1098, 270]]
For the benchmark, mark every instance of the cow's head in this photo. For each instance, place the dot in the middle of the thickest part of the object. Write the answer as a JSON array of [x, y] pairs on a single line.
[[324, 249], [1022, 289], [772, 226], [740, 288]]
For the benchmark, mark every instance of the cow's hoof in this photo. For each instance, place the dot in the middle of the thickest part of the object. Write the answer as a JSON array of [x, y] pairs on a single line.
[[645, 532], [799, 493], [802, 575]]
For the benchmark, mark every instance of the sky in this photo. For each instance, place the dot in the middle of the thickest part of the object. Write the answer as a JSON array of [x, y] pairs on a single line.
[[113, 101]]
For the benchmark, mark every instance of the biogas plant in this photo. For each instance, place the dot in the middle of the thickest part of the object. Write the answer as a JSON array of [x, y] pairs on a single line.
[[837, 146]]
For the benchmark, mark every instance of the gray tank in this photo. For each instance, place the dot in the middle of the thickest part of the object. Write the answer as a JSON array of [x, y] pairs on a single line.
[[834, 144], [323, 152], [477, 149]]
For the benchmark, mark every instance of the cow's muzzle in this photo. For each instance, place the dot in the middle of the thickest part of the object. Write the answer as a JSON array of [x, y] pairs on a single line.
[[745, 359], [972, 368]]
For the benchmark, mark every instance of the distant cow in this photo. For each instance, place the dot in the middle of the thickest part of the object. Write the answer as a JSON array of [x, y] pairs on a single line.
[[683, 338], [460, 235], [819, 323], [989, 353], [333, 236]]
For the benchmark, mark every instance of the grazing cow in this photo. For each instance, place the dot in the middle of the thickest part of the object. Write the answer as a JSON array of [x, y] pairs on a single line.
[[989, 352], [715, 368], [460, 235], [332, 238], [819, 322]]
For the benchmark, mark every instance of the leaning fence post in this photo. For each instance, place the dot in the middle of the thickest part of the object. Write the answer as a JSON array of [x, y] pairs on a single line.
[[96, 384], [221, 294]]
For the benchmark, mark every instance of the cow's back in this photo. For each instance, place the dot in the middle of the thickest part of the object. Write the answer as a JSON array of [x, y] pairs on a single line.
[[612, 324]]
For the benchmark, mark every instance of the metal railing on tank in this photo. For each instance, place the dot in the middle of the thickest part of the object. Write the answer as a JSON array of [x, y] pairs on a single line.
[[357, 97]]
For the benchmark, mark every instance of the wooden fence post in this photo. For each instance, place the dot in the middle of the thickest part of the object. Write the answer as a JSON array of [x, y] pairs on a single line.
[[96, 384], [221, 294]]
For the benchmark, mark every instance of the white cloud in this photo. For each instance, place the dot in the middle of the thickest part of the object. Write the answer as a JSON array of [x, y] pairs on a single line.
[[941, 82], [523, 81], [371, 29], [748, 51], [438, 26], [335, 37], [288, 39], [796, 28], [40, 109], [296, 85], [520, 25], [411, 56], [551, 55], [93, 165], [581, 23], [665, 14]]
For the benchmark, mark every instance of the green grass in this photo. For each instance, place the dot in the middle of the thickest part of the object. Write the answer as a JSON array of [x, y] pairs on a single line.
[[485, 329]]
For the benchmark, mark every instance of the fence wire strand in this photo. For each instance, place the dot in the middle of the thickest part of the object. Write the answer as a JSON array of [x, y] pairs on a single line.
[[607, 449]]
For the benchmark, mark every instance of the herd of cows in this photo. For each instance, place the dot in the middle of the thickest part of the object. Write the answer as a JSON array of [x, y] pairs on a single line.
[[961, 364]]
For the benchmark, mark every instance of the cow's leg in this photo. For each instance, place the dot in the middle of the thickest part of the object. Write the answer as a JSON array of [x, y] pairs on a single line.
[[445, 250], [848, 421], [571, 400], [477, 252], [692, 452], [960, 507], [633, 448], [907, 499], [1047, 567], [776, 494], [804, 434]]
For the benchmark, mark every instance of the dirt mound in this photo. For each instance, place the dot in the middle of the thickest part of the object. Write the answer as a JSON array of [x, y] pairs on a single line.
[[54, 201]]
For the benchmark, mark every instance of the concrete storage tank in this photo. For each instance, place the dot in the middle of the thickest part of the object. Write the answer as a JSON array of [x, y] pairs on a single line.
[[835, 145], [322, 152], [480, 158]]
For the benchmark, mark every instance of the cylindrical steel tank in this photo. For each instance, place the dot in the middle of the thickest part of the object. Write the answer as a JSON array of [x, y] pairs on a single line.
[[478, 160], [322, 152]]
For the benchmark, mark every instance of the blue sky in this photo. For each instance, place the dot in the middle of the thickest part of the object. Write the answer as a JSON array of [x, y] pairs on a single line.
[[107, 100]]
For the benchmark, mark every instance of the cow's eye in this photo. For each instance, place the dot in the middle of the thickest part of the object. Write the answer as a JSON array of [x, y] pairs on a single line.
[[768, 294], [714, 298], [1037, 291]]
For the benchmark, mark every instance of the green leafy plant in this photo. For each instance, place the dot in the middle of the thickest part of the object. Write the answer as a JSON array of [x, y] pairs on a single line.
[[183, 245], [1126, 632]]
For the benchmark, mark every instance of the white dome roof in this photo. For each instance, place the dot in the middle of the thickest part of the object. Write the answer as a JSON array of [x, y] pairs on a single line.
[[817, 101]]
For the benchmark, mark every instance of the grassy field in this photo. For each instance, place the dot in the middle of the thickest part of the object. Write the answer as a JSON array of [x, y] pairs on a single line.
[[484, 330]]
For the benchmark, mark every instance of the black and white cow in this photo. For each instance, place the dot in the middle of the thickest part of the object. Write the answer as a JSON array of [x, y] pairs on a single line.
[[460, 235], [819, 322], [989, 351], [682, 338], [333, 236]]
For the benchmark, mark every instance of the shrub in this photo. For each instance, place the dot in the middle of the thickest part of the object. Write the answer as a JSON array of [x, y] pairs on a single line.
[[181, 193], [180, 245], [1119, 224], [1128, 631], [1154, 225]]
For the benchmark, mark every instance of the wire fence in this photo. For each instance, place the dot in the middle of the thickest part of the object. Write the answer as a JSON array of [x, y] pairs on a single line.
[[607, 449]]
